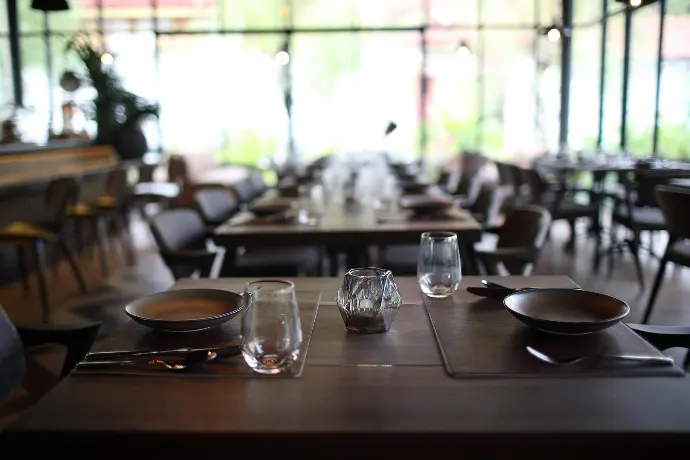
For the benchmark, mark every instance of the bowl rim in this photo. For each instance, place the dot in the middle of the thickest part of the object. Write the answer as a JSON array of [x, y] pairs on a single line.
[[551, 321], [133, 303]]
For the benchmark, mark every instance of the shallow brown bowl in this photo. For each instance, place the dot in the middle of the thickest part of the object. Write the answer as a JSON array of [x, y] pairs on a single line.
[[185, 309], [566, 311], [272, 207]]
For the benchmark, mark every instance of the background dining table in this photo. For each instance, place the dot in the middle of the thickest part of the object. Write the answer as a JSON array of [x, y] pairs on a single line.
[[358, 227], [359, 394]]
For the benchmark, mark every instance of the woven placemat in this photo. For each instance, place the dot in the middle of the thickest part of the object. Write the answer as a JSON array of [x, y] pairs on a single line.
[[134, 336], [478, 337]]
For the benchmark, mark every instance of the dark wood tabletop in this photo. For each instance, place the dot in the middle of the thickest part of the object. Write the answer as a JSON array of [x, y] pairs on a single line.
[[380, 393], [339, 226]]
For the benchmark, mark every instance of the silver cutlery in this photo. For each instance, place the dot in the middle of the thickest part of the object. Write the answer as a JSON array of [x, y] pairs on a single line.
[[663, 360], [182, 352], [190, 359]]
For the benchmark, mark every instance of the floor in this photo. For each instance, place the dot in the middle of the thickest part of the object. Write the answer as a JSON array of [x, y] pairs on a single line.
[[105, 300]]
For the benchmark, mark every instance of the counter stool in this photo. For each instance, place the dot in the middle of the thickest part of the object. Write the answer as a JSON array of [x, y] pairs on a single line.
[[110, 209], [61, 194]]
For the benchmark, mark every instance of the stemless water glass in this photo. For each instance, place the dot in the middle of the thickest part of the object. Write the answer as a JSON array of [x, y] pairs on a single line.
[[271, 329], [438, 270]]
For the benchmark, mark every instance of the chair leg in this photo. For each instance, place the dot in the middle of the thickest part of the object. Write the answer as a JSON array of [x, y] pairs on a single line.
[[126, 239], [40, 256], [72, 260], [611, 252], [635, 249], [101, 229], [570, 245], [23, 266], [655, 290]]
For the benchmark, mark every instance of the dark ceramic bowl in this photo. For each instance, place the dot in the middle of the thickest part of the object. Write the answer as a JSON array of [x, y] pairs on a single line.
[[566, 311], [185, 310], [268, 208]]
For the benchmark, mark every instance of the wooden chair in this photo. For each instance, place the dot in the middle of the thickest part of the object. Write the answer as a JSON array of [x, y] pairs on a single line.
[[488, 205], [78, 340], [639, 211], [184, 245], [674, 203], [61, 194], [520, 240], [250, 188], [471, 178], [109, 211], [555, 200], [215, 203]]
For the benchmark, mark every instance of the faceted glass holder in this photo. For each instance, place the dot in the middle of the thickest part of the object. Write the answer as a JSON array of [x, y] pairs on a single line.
[[368, 300]]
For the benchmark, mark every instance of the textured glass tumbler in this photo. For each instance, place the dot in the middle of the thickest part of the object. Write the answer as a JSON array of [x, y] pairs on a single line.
[[271, 328], [368, 300], [438, 269]]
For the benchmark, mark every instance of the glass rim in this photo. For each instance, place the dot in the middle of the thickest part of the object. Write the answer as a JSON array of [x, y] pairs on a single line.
[[285, 285], [378, 272], [439, 235]]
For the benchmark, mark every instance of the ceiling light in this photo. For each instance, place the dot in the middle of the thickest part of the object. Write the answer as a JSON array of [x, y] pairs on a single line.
[[553, 35], [463, 50], [107, 59], [635, 3], [282, 57]]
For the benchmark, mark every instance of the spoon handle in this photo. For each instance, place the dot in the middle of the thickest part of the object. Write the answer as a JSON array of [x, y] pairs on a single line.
[[111, 355], [643, 359], [111, 362]]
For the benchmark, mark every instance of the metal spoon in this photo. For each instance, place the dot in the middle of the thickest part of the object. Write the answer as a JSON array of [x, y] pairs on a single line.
[[665, 360], [191, 359]]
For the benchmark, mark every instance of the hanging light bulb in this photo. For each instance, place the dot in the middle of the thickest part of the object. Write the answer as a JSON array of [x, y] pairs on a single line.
[[463, 50], [282, 57], [107, 59], [553, 35], [635, 3]]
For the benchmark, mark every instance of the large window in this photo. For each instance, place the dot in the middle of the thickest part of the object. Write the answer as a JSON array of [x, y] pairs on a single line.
[[451, 74], [644, 44], [674, 103]]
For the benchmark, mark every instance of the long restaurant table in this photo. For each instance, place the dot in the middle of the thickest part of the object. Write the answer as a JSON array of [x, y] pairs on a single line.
[[342, 228], [355, 399]]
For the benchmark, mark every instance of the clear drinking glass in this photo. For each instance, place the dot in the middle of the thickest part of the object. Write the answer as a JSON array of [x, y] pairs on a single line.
[[271, 329], [438, 269]]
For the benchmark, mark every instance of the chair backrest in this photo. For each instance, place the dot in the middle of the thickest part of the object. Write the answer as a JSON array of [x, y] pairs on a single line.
[[177, 170], [505, 174], [12, 363], [116, 183], [538, 186], [647, 180], [146, 172], [674, 203], [525, 227], [488, 203], [249, 188], [178, 229], [60, 195], [215, 204]]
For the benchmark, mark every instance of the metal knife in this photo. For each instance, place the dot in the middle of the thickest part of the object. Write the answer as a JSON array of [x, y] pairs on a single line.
[[227, 351]]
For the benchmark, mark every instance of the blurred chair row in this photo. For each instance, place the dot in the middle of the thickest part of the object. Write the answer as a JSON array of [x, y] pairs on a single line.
[[184, 237], [641, 200], [67, 224]]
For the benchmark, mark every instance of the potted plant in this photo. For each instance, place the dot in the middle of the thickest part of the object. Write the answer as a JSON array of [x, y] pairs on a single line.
[[118, 112]]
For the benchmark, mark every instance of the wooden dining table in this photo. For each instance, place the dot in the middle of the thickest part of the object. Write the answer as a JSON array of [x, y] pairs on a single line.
[[359, 395], [357, 227]]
